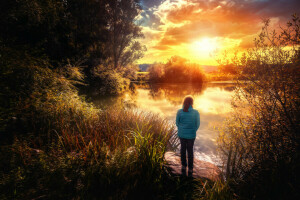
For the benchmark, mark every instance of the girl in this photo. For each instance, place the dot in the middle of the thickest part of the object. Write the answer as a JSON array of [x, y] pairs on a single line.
[[188, 122]]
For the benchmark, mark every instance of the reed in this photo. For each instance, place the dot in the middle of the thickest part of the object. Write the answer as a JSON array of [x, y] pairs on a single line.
[[87, 151], [70, 149]]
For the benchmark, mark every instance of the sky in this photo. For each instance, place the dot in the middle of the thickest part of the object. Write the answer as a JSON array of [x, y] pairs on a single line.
[[201, 30]]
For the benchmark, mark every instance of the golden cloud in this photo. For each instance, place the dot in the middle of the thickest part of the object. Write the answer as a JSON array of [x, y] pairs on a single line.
[[181, 23]]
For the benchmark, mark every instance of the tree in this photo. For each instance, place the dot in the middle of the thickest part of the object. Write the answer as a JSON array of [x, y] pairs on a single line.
[[56, 29], [56, 33], [122, 45], [176, 70], [227, 69], [260, 142]]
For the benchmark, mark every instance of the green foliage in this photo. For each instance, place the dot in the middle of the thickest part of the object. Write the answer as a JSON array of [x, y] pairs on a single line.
[[122, 45], [176, 70], [57, 29], [31, 173], [108, 81], [85, 32], [261, 141], [86, 149], [72, 150], [73, 29], [30, 91], [219, 191]]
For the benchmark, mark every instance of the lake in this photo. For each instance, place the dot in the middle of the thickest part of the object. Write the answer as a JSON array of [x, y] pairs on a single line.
[[212, 100]]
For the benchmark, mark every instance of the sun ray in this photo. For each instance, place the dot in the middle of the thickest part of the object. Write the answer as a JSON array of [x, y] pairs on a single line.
[[205, 45]]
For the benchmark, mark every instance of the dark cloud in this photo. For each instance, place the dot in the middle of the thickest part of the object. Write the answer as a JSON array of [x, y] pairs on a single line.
[[272, 8], [149, 19], [150, 3]]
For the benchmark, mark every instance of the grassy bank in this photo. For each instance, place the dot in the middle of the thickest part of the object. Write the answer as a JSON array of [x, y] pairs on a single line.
[[69, 149], [83, 152]]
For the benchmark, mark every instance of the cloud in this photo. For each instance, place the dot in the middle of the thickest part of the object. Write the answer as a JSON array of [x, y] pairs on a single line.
[[150, 3], [178, 22], [187, 22]]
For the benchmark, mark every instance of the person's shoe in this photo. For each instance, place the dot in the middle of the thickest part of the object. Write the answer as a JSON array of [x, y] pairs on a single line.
[[190, 172], [183, 170]]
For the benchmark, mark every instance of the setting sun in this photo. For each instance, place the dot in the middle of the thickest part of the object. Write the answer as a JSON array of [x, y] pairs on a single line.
[[197, 29], [205, 45]]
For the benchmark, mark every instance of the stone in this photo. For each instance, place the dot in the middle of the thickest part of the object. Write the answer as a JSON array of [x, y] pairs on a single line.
[[202, 169]]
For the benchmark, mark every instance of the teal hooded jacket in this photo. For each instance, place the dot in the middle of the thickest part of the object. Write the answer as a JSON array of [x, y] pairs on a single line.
[[187, 123]]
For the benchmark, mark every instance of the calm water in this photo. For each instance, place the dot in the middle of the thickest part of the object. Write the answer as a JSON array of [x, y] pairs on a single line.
[[212, 100]]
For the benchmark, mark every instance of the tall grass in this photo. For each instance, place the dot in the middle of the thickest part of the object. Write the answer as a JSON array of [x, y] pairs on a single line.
[[76, 150], [88, 153], [68, 149]]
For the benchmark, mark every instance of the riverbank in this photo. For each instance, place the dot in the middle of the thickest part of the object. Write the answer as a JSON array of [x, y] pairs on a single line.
[[145, 77], [71, 149], [59, 146], [212, 100]]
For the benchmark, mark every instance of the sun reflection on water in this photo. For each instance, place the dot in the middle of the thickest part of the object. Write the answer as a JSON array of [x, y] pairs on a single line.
[[167, 99], [213, 101]]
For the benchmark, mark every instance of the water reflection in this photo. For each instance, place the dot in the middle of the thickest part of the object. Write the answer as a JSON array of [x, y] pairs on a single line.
[[174, 93], [212, 100]]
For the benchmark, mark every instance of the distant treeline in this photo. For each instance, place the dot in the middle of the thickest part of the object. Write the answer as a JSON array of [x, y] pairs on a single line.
[[176, 70]]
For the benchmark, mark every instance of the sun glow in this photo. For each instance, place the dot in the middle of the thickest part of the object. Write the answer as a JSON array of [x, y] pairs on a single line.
[[205, 45], [203, 51]]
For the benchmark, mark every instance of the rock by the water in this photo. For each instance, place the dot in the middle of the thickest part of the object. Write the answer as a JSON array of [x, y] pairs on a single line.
[[202, 169]]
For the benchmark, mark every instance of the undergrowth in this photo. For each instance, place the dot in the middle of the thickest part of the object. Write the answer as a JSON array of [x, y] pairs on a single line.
[[58, 146]]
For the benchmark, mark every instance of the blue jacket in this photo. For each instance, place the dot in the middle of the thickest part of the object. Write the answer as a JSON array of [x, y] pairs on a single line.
[[187, 123]]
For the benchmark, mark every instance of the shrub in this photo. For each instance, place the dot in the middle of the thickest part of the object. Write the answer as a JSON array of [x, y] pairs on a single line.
[[108, 81], [176, 70], [88, 154], [260, 141], [69, 149]]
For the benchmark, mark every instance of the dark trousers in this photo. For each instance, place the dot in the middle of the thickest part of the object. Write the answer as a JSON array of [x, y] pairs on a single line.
[[187, 145]]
